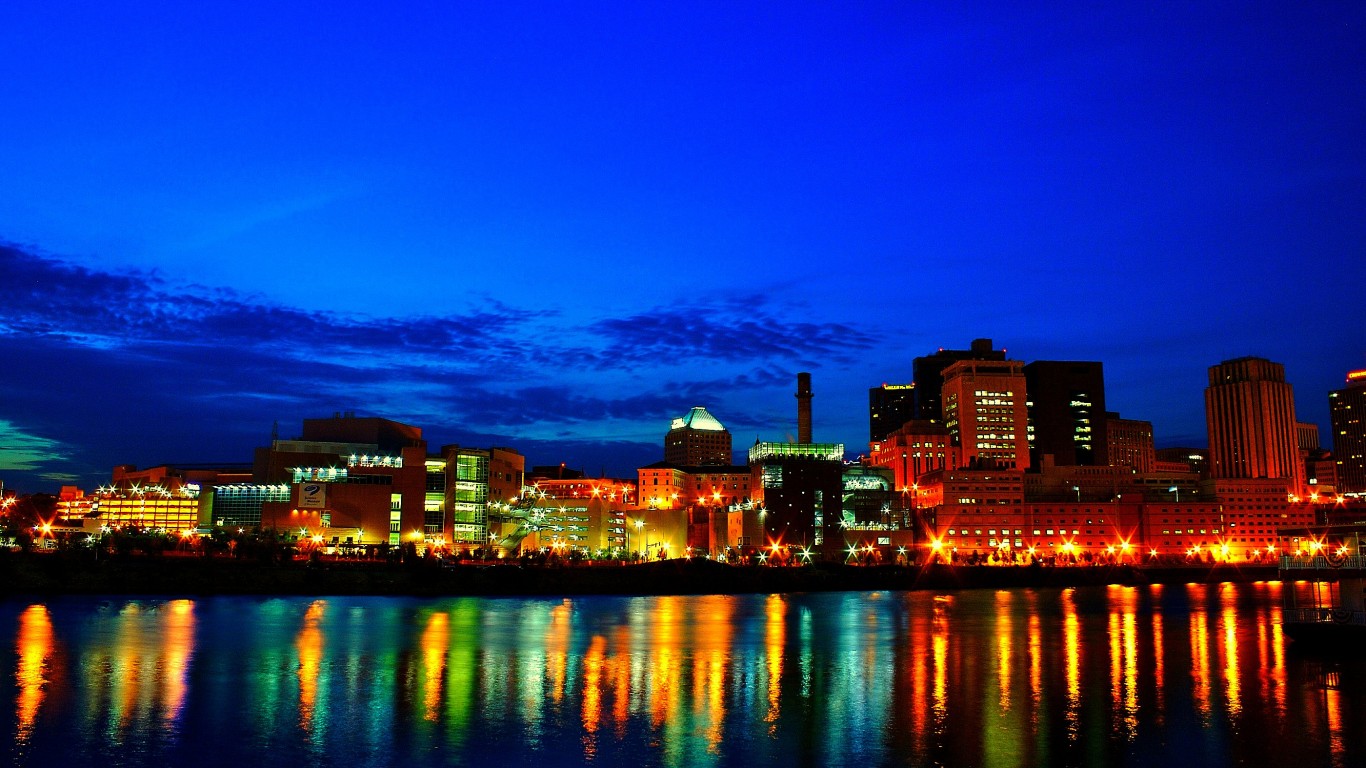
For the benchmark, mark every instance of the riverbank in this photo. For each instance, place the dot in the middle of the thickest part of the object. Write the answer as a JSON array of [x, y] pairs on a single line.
[[49, 573]]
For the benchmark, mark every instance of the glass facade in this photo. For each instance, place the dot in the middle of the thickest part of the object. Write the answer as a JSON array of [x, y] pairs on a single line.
[[239, 506], [820, 451], [434, 504], [469, 498]]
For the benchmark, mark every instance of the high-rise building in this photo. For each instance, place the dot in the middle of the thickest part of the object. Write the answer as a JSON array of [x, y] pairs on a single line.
[[1066, 405], [889, 406], [697, 438], [1250, 414], [1347, 409], [985, 413], [1129, 443], [928, 375], [1307, 435]]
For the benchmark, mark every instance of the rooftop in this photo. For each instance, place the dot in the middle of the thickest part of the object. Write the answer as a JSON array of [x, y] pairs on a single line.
[[699, 419]]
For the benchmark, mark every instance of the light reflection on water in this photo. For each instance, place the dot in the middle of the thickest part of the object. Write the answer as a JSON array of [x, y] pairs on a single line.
[[1117, 675]]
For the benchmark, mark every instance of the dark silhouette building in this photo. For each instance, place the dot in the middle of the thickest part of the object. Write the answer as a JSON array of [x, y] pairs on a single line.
[[889, 406], [1066, 405], [1347, 409]]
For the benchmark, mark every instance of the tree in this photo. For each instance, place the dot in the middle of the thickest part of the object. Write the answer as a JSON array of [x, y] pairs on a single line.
[[30, 510]]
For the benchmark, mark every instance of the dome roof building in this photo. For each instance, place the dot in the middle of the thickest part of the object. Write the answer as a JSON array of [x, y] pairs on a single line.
[[697, 438]]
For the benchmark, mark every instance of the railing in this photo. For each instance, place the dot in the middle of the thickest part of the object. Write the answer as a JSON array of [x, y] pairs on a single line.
[[1342, 616], [1322, 562]]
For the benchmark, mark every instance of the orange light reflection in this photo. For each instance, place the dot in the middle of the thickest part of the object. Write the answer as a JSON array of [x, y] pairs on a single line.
[[34, 646]]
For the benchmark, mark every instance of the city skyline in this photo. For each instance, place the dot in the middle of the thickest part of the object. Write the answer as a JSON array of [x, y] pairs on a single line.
[[560, 229]]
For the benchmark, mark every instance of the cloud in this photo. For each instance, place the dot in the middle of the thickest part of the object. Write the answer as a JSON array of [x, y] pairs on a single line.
[[731, 332], [130, 367], [24, 452]]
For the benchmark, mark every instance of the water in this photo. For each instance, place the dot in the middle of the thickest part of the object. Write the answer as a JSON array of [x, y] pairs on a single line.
[[1113, 676]]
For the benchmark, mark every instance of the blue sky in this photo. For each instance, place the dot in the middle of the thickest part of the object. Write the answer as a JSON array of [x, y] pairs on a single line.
[[557, 228]]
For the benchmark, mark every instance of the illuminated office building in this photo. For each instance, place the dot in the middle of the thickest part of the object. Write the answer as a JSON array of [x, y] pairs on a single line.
[[1250, 414], [1129, 443], [928, 375], [985, 412]]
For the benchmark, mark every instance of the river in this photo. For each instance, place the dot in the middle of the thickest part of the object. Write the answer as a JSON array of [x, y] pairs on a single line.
[[1106, 676]]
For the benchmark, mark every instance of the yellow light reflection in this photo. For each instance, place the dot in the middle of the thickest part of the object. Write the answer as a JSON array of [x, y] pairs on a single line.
[[1274, 601], [178, 643], [1003, 647], [664, 673], [436, 640], [1035, 666], [1333, 706], [709, 671], [1124, 660], [1071, 638], [557, 641], [1159, 659], [34, 646], [775, 638], [940, 651], [592, 694], [1228, 648], [1200, 666], [309, 644]]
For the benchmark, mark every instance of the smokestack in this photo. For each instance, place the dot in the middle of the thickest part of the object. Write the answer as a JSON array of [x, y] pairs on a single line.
[[803, 407]]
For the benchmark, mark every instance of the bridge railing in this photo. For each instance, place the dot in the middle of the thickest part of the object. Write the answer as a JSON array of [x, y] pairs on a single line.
[[1322, 562]]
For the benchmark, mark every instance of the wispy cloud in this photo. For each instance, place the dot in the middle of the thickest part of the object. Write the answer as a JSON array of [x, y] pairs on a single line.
[[24, 452], [131, 367], [731, 332]]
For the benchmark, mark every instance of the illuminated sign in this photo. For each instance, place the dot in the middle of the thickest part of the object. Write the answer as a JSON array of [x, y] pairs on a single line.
[[898, 387], [312, 495], [1355, 375]]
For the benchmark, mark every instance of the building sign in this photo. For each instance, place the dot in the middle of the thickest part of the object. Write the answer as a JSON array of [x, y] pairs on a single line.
[[312, 495]]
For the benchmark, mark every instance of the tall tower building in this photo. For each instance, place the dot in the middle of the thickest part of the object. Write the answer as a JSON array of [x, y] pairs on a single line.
[[1250, 413], [1066, 407], [697, 438], [1347, 409], [928, 374], [984, 411], [889, 406]]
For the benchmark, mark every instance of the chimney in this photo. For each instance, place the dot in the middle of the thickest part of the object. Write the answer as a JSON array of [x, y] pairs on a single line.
[[803, 408]]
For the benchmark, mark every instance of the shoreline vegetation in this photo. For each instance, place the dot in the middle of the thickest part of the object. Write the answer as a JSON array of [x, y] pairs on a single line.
[[59, 574]]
